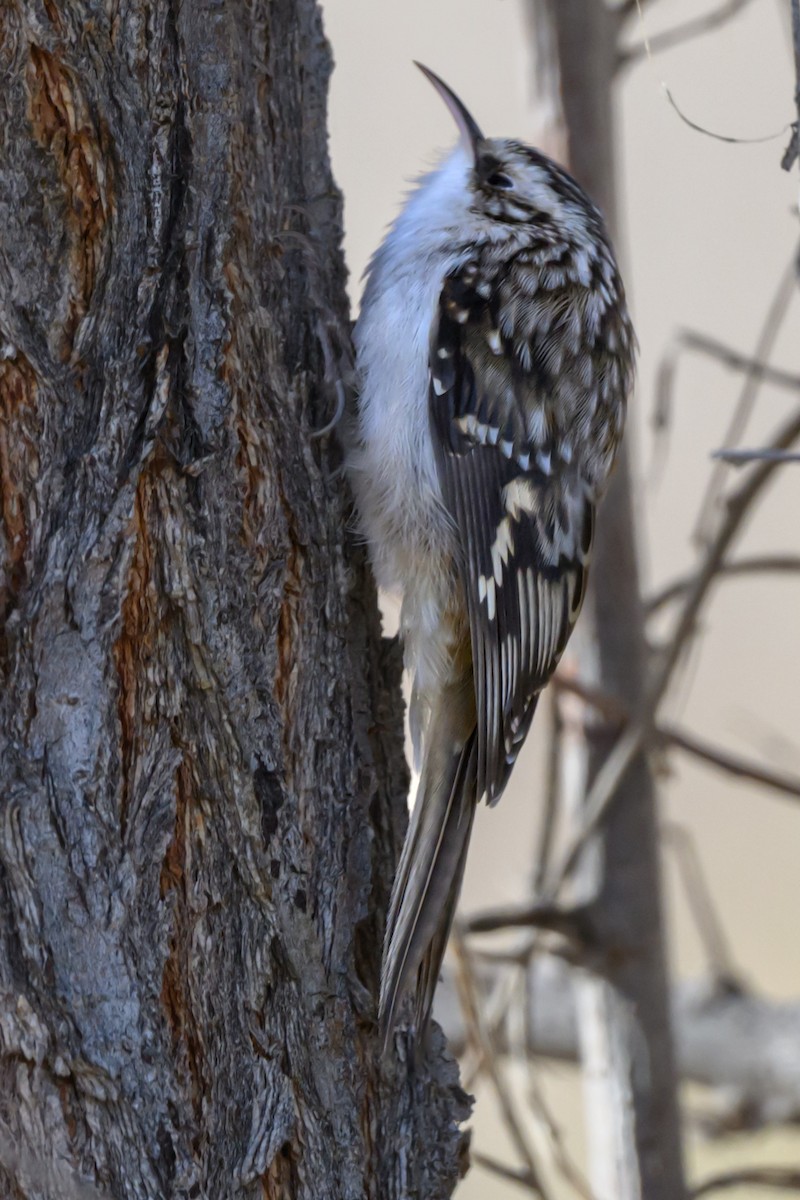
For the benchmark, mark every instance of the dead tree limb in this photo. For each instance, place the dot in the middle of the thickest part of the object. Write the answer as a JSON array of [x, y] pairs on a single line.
[[743, 1046]]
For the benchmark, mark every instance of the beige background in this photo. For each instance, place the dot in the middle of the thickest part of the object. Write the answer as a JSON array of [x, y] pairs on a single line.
[[707, 229]]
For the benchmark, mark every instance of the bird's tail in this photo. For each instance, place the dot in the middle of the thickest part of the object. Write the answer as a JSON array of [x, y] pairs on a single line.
[[431, 867]]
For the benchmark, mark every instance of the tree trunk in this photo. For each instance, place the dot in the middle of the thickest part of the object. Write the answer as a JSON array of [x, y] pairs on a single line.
[[202, 784], [623, 1006]]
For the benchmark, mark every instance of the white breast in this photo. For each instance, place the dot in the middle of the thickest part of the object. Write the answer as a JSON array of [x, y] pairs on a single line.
[[393, 469]]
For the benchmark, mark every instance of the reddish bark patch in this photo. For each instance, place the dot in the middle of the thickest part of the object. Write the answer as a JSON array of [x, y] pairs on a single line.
[[52, 12], [288, 630], [81, 150], [19, 466], [65, 1096], [135, 647], [175, 987], [264, 498], [174, 864], [250, 460], [260, 535], [280, 1180]]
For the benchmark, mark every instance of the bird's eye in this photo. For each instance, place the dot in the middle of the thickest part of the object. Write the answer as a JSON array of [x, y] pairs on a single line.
[[498, 180]]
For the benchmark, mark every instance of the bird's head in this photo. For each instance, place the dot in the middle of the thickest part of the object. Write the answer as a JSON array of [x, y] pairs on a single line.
[[514, 184]]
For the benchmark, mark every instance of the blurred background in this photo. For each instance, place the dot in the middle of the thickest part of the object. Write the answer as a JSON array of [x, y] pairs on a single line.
[[707, 230]]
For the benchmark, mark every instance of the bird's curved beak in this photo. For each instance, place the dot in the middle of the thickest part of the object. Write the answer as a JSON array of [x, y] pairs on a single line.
[[467, 128]]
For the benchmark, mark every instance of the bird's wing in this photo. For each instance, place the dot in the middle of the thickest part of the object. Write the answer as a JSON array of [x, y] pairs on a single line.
[[522, 513]]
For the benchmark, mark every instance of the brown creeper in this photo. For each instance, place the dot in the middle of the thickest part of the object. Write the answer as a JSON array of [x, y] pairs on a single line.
[[495, 354]]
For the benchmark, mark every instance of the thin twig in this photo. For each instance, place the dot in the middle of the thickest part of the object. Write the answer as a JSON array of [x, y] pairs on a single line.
[[629, 8], [636, 735], [540, 913], [730, 139], [796, 43], [741, 458], [338, 413], [511, 916], [776, 312], [663, 407], [756, 369], [562, 1161], [778, 564], [482, 1039], [687, 339], [550, 806], [792, 151], [783, 1178], [551, 1143], [731, 764], [709, 926], [518, 1175], [739, 1044], [495, 1012], [668, 734], [687, 31]]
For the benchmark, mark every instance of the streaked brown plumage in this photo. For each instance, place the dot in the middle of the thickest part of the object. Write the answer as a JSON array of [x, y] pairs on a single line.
[[495, 355]]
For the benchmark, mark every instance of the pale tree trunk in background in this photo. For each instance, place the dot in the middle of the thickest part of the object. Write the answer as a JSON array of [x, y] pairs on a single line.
[[202, 784], [623, 1011]]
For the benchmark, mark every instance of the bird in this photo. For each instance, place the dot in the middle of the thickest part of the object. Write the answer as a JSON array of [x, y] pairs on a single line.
[[494, 358]]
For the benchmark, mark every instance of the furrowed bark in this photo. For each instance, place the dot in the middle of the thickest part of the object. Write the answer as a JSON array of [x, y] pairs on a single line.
[[202, 783]]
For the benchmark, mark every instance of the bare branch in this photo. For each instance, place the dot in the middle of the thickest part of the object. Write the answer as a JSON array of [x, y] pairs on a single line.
[[640, 731], [519, 1175], [731, 764], [783, 1179], [688, 339], [663, 406], [756, 369], [554, 1141], [687, 31], [632, 1114], [532, 915], [793, 149], [780, 564], [628, 9], [551, 793], [709, 926], [727, 1039], [776, 312], [741, 458], [551, 1138], [484, 1043], [669, 734]]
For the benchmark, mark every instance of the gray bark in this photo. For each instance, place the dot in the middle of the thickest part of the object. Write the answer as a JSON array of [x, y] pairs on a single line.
[[202, 784], [623, 1008]]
